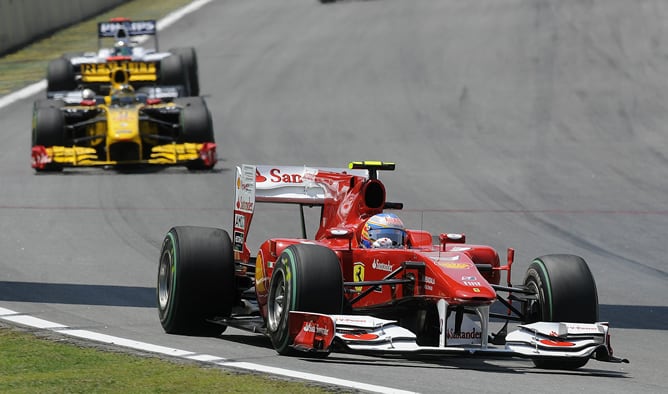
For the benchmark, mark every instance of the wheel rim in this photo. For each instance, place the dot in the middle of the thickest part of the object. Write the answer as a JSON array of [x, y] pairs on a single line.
[[165, 279], [533, 312], [277, 301]]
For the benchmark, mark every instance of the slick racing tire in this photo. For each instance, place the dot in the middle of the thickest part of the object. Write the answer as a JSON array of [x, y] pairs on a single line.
[[189, 59], [195, 119], [196, 125], [48, 128], [566, 292], [196, 280], [60, 75], [43, 103], [306, 278], [173, 72]]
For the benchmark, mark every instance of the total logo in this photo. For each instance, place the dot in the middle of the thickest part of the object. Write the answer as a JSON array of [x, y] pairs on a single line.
[[382, 266]]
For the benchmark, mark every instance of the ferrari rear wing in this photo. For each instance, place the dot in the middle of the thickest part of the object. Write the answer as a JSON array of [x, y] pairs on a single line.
[[288, 185]]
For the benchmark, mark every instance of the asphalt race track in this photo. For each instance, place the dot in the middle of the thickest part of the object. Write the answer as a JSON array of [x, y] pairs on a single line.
[[534, 124]]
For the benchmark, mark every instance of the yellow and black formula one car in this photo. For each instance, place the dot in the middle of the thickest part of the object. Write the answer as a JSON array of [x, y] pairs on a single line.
[[126, 128]]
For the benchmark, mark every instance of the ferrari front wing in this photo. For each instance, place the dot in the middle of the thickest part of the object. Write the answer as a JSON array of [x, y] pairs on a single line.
[[315, 332]]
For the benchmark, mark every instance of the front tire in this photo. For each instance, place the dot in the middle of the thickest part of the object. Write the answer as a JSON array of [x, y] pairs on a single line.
[[196, 126], [306, 278], [48, 128], [195, 120], [566, 292], [196, 280]]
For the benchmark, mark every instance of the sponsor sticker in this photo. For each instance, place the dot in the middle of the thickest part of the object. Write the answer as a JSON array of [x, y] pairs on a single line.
[[245, 191], [469, 331], [107, 67], [238, 241], [377, 265], [239, 221], [360, 337], [313, 327], [457, 266], [358, 274], [473, 334], [109, 29], [259, 275], [429, 283]]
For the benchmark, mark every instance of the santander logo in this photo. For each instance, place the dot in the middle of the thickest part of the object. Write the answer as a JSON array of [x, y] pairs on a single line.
[[276, 176]]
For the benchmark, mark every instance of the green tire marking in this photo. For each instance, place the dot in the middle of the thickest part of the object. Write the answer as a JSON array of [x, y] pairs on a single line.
[[547, 285], [172, 289], [290, 276]]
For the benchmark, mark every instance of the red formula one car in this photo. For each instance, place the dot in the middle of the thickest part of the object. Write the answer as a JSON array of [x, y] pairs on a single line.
[[365, 284]]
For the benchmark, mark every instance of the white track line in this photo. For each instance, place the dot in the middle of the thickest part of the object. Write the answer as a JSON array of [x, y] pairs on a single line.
[[34, 322], [163, 23]]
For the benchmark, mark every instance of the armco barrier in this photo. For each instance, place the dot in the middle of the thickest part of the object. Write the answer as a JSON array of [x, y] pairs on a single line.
[[22, 21]]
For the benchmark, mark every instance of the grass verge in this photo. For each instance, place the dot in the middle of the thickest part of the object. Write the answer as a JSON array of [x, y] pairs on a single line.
[[33, 364], [28, 65]]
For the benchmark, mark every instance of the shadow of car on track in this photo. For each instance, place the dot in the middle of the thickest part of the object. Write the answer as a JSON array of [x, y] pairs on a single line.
[[78, 294], [131, 170], [643, 317], [514, 366]]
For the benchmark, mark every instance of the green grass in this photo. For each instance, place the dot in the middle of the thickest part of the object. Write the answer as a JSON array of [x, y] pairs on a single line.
[[28, 65], [32, 364]]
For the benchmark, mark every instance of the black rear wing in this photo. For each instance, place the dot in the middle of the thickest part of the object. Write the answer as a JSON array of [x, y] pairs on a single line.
[[125, 28]]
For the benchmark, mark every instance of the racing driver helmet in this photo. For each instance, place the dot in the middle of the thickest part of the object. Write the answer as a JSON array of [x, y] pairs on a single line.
[[122, 48], [384, 230], [123, 95]]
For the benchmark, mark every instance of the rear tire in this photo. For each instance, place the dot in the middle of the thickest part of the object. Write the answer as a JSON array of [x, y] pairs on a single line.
[[189, 59], [196, 280], [306, 278], [60, 75], [566, 292], [173, 73]]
